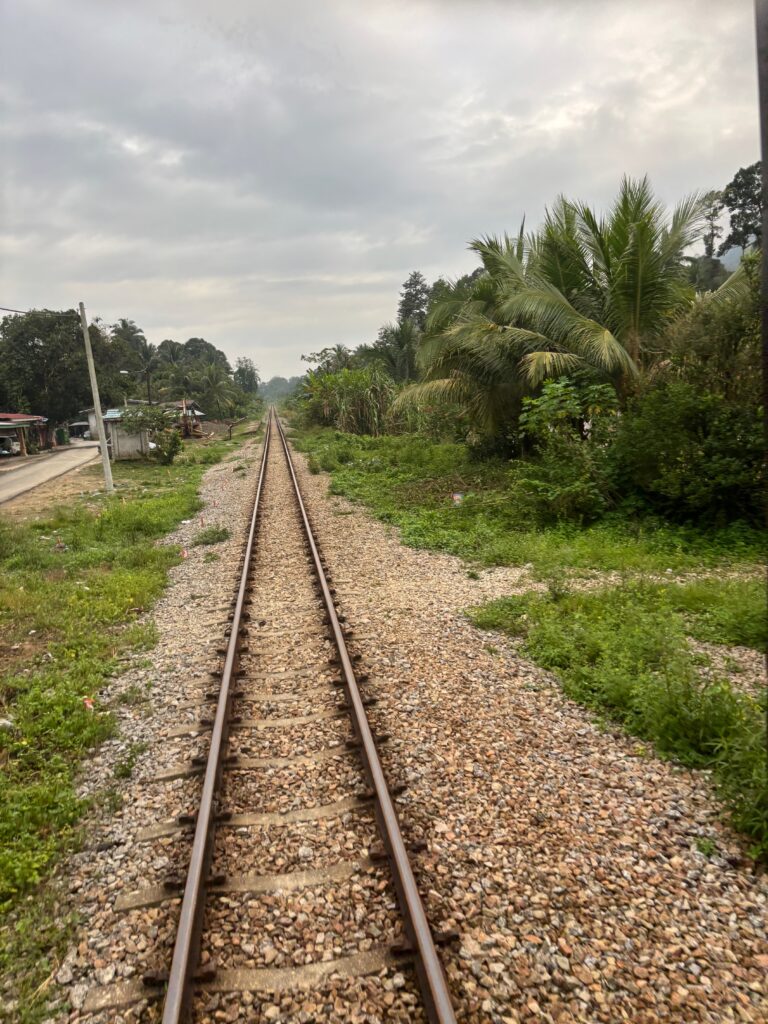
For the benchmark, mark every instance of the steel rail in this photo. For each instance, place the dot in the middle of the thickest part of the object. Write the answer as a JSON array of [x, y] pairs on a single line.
[[187, 947], [429, 970]]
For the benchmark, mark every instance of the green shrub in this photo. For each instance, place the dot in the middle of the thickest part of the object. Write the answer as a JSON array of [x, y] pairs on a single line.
[[565, 478], [690, 454], [566, 482], [409, 480], [724, 611]]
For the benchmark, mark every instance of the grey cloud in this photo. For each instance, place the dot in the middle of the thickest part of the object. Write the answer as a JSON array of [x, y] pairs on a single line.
[[266, 175]]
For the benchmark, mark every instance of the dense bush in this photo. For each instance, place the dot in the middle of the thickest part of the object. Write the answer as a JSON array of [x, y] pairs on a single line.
[[357, 401], [690, 454], [566, 428]]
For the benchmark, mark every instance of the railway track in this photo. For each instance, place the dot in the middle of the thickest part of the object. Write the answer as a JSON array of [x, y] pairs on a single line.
[[299, 900]]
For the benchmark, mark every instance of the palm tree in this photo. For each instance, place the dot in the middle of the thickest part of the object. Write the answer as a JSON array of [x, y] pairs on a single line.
[[143, 353], [148, 362], [395, 349], [215, 389], [171, 352], [128, 331], [586, 292]]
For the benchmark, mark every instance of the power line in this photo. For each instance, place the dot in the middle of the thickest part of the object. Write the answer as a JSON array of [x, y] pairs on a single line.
[[39, 312]]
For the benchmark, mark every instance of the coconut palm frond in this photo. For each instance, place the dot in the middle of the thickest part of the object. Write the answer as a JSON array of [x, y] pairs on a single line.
[[539, 366]]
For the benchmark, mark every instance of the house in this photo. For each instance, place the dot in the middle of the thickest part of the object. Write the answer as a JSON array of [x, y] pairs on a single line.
[[21, 433], [121, 444], [188, 415]]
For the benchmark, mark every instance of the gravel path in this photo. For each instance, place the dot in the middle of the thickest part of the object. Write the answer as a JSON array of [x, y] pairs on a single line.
[[564, 856]]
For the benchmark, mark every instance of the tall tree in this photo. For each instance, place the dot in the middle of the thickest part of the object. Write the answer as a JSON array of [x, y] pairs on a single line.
[[148, 362], [43, 368], [128, 331], [330, 359], [43, 365], [198, 349], [394, 349], [215, 390], [712, 203], [743, 196], [170, 352], [246, 375], [414, 300]]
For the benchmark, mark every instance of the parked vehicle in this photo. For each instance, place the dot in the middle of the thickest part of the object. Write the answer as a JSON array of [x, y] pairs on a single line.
[[9, 446]]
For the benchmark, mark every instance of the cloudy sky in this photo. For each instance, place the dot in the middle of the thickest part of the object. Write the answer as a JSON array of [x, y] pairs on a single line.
[[266, 173]]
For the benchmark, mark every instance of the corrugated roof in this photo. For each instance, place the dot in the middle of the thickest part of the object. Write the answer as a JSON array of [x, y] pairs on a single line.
[[21, 418]]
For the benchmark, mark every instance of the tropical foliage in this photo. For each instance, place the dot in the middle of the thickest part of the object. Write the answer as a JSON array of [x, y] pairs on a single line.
[[594, 351], [45, 372], [356, 401]]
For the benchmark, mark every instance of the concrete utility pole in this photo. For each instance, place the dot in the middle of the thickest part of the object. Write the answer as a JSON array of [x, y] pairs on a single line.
[[96, 404], [761, 30]]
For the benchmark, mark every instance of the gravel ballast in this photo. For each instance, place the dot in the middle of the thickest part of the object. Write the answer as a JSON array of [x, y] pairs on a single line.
[[564, 856]]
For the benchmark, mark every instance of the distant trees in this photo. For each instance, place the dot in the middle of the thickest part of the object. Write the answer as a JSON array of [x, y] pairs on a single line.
[[278, 387], [44, 368]]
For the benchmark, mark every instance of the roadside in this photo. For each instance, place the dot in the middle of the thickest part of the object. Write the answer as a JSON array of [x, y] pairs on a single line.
[[76, 594], [33, 472]]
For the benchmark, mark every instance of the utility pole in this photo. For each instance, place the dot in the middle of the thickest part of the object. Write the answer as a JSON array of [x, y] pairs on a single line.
[[96, 404], [761, 29]]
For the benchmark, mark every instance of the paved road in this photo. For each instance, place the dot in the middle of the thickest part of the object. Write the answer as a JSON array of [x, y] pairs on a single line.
[[32, 474]]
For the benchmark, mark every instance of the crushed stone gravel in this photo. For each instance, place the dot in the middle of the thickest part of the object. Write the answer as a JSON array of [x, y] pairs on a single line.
[[564, 855]]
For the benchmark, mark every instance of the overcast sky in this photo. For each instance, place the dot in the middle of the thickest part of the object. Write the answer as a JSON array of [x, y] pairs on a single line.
[[266, 173]]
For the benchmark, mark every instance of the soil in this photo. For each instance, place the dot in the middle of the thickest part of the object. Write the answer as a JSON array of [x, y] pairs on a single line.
[[37, 503]]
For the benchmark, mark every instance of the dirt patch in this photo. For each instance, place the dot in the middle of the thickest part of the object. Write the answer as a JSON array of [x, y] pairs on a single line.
[[37, 503]]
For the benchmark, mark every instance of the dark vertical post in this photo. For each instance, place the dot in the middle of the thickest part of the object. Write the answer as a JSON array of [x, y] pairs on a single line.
[[761, 27]]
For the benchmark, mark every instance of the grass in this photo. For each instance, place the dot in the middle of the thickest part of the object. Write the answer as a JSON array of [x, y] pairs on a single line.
[[72, 587], [410, 481], [623, 652], [729, 612], [211, 535]]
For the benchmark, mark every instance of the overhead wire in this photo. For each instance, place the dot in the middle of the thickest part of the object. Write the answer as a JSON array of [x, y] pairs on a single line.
[[40, 312]]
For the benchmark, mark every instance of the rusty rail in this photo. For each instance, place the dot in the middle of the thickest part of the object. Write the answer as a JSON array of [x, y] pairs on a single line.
[[186, 950], [429, 970]]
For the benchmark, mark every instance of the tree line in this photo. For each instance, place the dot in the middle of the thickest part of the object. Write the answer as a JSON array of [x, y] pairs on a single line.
[[595, 352], [44, 369]]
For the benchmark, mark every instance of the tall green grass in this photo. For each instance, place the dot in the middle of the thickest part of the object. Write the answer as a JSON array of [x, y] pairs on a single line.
[[409, 481]]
